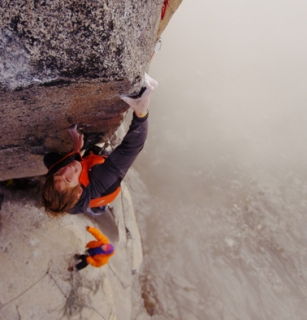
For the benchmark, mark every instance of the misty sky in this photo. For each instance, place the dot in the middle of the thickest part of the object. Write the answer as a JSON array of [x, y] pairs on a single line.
[[225, 163], [233, 79]]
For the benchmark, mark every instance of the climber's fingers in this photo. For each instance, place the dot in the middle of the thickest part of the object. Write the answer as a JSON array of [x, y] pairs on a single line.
[[140, 105], [77, 138]]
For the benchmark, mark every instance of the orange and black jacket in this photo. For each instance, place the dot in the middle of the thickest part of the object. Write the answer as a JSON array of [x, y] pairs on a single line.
[[104, 178], [98, 260]]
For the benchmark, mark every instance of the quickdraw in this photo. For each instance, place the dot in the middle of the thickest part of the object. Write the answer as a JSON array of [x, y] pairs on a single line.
[[157, 48]]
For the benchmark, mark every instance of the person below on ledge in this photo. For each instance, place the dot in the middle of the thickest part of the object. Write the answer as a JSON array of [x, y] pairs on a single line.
[[98, 252]]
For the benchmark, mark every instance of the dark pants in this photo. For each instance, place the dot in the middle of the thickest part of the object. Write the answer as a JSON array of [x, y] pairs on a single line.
[[83, 263]]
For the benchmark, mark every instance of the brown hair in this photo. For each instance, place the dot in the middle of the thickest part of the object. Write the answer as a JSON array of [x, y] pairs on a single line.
[[58, 203]]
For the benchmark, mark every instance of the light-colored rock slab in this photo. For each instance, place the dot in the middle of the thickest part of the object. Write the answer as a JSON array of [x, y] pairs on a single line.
[[36, 251]]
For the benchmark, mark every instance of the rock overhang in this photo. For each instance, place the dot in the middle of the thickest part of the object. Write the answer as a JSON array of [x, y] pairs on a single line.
[[65, 62]]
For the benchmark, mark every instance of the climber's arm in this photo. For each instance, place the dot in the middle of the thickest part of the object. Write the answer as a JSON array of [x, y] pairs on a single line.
[[107, 177], [97, 234]]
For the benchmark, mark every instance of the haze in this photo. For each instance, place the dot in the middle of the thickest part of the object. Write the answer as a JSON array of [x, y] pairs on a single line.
[[224, 221]]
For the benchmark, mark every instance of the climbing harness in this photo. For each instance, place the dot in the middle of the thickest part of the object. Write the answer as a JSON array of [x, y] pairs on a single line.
[[105, 200], [99, 206]]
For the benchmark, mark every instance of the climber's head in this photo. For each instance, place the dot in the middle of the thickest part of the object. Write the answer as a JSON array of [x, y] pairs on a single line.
[[107, 248], [62, 190], [56, 202], [67, 177]]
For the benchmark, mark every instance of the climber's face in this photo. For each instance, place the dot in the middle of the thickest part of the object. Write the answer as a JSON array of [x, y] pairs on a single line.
[[68, 176]]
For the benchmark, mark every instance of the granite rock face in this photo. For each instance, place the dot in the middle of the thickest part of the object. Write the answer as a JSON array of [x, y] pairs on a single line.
[[66, 62], [36, 253]]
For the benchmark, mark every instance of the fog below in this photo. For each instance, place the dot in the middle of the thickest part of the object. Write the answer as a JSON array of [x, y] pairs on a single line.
[[222, 210]]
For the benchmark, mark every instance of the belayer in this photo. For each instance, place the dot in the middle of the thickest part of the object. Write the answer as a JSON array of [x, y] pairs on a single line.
[[98, 251], [73, 184]]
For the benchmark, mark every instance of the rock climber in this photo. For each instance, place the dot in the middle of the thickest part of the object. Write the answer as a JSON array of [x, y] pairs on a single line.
[[73, 184]]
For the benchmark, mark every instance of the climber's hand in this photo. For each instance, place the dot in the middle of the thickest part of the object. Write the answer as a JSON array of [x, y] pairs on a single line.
[[77, 138], [140, 105]]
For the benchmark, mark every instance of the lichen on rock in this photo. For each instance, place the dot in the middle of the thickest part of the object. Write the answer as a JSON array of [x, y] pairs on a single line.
[[44, 40], [64, 62]]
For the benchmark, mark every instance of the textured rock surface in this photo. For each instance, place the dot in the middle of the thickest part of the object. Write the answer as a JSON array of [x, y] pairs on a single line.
[[64, 62], [44, 40], [36, 251], [37, 118]]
